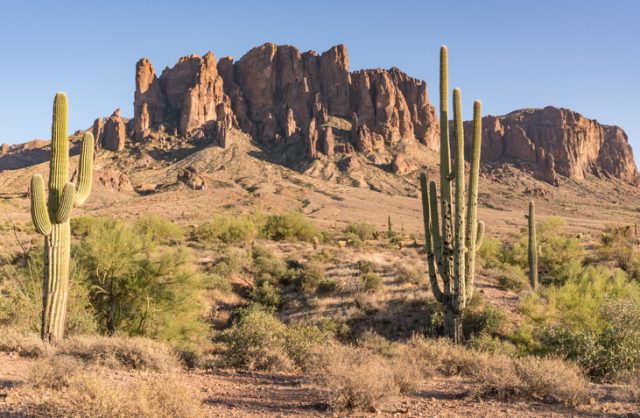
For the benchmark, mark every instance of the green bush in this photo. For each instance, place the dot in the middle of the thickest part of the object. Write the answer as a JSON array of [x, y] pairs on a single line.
[[267, 295], [561, 256], [228, 229], [158, 229], [217, 282], [365, 266], [327, 286], [136, 291], [289, 226], [362, 230], [483, 320], [512, 278], [371, 282], [310, 277], [616, 245], [21, 296], [488, 255], [593, 320], [266, 266], [257, 340], [230, 261], [81, 225]]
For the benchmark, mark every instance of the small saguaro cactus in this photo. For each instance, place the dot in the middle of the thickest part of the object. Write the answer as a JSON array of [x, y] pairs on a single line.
[[389, 227], [51, 217], [452, 232], [533, 246]]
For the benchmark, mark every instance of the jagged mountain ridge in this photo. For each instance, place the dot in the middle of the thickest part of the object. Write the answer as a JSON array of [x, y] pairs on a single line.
[[285, 100]]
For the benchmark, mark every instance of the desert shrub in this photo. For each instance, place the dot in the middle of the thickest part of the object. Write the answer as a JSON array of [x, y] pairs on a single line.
[[365, 266], [492, 345], [592, 320], [616, 245], [266, 266], [21, 278], [499, 375], [327, 286], [310, 277], [288, 226], [362, 230], [89, 395], [561, 257], [257, 340], [512, 278], [227, 229], [488, 255], [137, 292], [483, 319], [230, 261], [157, 229], [81, 225], [409, 274], [371, 282], [55, 372], [337, 328], [354, 378], [20, 343], [216, 282], [267, 295], [132, 353]]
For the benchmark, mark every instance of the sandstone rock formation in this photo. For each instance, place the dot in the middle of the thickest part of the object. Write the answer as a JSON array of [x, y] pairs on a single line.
[[111, 133], [553, 141], [188, 96], [273, 93]]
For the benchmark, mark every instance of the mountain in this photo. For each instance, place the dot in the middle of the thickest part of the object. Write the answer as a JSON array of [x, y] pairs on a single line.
[[309, 112]]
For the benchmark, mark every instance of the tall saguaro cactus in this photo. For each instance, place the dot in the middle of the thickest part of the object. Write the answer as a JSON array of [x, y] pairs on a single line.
[[452, 232], [533, 246], [51, 217]]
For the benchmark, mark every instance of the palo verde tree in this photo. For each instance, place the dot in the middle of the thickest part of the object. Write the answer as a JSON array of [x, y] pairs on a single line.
[[452, 232], [51, 217]]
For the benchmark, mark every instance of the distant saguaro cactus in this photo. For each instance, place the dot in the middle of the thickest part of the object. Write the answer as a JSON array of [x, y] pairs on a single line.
[[533, 246], [51, 217], [453, 235]]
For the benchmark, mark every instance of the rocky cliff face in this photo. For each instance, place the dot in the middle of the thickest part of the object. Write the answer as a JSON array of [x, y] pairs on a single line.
[[276, 93], [553, 142]]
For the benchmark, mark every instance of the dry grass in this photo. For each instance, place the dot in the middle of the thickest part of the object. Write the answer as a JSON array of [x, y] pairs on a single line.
[[89, 396], [133, 353], [501, 376], [353, 377], [66, 387], [25, 345]]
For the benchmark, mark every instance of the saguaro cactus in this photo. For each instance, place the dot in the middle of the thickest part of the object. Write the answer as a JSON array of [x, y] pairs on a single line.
[[533, 246], [51, 217], [452, 232]]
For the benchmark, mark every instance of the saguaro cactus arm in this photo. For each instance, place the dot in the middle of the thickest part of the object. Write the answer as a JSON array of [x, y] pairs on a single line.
[[85, 170], [428, 244], [66, 203], [39, 211]]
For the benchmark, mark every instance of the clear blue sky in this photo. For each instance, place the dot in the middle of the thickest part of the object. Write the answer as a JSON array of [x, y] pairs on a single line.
[[580, 54]]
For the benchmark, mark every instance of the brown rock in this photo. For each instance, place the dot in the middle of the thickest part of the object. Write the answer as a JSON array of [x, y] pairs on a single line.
[[274, 85], [113, 180], [114, 134], [191, 178], [312, 140], [401, 165], [98, 130], [328, 141], [4, 150], [554, 142], [186, 96]]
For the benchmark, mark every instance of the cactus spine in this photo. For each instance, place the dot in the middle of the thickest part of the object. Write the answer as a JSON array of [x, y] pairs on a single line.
[[452, 232], [533, 246], [51, 217]]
